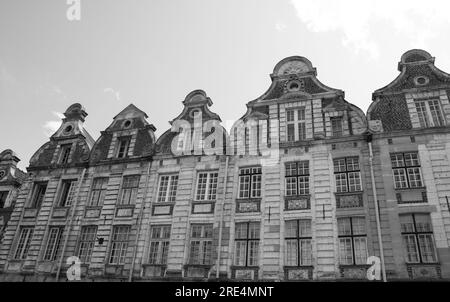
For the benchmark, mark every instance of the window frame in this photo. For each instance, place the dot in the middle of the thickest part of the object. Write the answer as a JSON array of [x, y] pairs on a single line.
[[208, 186], [299, 238], [162, 243], [405, 168], [247, 240], [205, 255], [426, 119], [123, 245], [51, 252], [347, 172], [87, 245], [25, 246], [352, 237], [297, 175], [35, 202], [170, 189], [416, 235], [133, 191], [100, 197], [297, 123], [123, 139], [64, 154], [66, 195], [251, 183], [339, 132]]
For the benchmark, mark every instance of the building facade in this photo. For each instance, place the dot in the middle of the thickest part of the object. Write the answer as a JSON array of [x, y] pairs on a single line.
[[305, 186]]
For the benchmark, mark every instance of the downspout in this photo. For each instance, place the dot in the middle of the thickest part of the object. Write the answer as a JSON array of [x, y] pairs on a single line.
[[374, 191], [139, 222], [219, 248], [70, 224]]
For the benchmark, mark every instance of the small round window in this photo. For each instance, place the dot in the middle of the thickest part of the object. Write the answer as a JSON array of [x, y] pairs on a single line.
[[68, 129], [294, 86], [127, 124], [421, 80]]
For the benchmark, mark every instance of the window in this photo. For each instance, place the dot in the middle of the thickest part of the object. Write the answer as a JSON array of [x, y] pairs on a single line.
[[406, 170], [67, 193], [297, 178], [246, 244], [430, 114], [298, 242], [159, 244], [167, 188], [38, 195], [24, 242], [53, 243], [123, 146], [352, 240], [65, 153], [418, 241], [119, 244], [129, 192], [3, 196], [347, 174], [201, 244], [86, 243], [295, 123], [336, 126], [206, 186], [250, 182], [98, 191]]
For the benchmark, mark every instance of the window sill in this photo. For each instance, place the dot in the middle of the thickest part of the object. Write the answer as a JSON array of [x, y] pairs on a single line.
[[409, 189], [348, 193], [423, 264]]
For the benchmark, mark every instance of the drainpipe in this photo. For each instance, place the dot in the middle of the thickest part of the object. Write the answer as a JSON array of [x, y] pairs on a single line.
[[375, 198], [221, 217], [70, 224], [139, 223]]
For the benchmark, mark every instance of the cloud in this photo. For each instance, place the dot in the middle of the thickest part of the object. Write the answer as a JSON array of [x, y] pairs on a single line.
[[114, 92], [50, 127], [280, 26], [417, 21]]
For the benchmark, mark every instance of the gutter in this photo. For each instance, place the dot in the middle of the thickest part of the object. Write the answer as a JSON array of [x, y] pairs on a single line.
[[219, 247], [377, 214], [70, 224]]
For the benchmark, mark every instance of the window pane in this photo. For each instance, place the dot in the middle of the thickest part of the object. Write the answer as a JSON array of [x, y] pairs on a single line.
[[244, 186], [423, 223], [360, 250], [290, 228], [303, 185], [426, 244], [436, 113], [303, 168], [291, 169], [304, 228], [400, 179], [415, 179], [253, 253], [339, 165], [352, 164], [256, 185], [359, 225], [406, 223], [397, 160], [336, 126], [291, 252], [301, 131], [344, 227], [291, 186], [306, 252], [212, 190], [290, 133], [253, 232], [163, 186], [173, 188], [201, 186], [422, 113], [410, 246], [354, 181], [411, 159], [241, 251], [345, 251], [341, 182]]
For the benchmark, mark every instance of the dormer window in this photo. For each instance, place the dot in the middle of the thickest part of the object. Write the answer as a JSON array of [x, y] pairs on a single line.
[[296, 126], [123, 146], [336, 126], [430, 114], [65, 154]]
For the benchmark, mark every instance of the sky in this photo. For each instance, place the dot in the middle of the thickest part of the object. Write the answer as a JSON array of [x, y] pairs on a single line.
[[152, 53]]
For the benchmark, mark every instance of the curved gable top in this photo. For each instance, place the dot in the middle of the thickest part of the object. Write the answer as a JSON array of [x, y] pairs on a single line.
[[415, 64], [294, 76]]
